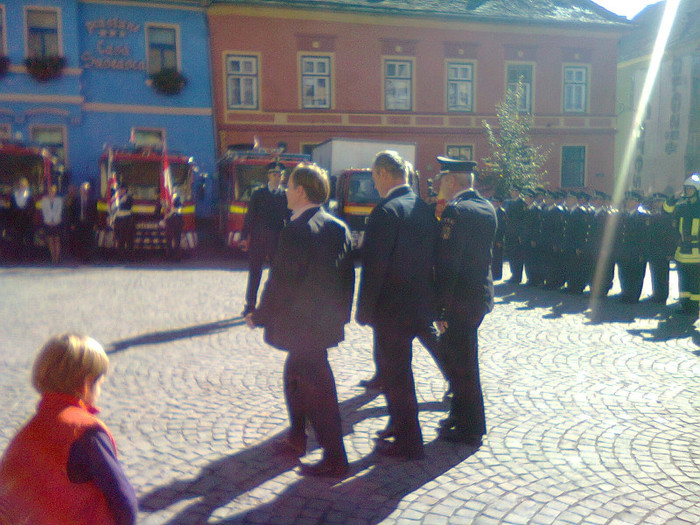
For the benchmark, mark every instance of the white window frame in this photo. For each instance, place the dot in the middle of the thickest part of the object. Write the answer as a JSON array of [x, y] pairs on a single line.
[[527, 100], [398, 83], [575, 89], [460, 85], [59, 33], [33, 129], [316, 70], [246, 80], [460, 151], [148, 136], [171, 27]]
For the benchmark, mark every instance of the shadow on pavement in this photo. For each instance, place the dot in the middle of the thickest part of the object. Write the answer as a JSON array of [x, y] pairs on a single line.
[[375, 490], [167, 336], [672, 326]]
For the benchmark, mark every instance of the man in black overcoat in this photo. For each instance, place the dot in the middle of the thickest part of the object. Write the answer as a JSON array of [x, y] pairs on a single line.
[[304, 307], [82, 213], [465, 295], [262, 225], [397, 294]]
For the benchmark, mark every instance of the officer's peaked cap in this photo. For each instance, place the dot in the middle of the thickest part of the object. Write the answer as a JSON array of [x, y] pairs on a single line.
[[456, 165]]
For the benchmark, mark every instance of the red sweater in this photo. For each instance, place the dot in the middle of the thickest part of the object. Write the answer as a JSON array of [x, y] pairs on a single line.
[[34, 484]]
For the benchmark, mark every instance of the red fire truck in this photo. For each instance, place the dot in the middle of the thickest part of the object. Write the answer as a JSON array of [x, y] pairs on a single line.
[[40, 168], [240, 173], [142, 169], [356, 197]]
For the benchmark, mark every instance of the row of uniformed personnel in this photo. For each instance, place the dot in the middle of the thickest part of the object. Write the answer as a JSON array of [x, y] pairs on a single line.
[[559, 237]]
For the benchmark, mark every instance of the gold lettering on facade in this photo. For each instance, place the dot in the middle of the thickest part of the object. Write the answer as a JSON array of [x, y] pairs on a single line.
[[108, 55]]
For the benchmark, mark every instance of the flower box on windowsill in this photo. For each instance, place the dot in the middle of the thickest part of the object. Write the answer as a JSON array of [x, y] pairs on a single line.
[[168, 81], [4, 65], [45, 68]]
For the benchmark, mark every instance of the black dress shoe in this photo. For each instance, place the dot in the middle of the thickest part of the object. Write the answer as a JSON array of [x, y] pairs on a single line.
[[454, 435], [371, 384], [328, 468], [387, 433], [392, 450]]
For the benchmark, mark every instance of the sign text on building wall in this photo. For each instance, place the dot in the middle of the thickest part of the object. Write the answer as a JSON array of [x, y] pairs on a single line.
[[108, 53]]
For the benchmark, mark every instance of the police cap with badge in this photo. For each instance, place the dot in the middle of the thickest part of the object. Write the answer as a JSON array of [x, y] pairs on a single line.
[[449, 165]]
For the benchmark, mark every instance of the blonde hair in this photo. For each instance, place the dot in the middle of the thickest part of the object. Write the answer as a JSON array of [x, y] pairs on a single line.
[[66, 361]]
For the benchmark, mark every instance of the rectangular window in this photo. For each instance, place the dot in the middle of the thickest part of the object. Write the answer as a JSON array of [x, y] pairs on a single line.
[[51, 137], [522, 73], [573, 166], [147, 137], [398, 85], [162, 48], [576, 89], [316, 82], [460, 86], [42, 32], [464, 152], [242, 82]]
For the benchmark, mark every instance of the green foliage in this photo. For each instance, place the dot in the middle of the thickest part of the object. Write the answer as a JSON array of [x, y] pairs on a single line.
[[514, 161]]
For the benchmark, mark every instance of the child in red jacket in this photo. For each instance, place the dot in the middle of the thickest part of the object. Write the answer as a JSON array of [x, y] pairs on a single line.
[[62, 466]]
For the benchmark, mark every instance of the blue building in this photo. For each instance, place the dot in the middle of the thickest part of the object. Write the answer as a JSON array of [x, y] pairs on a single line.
[[86, 74]]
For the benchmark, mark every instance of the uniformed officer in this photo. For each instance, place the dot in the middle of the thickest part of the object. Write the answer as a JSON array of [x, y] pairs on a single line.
[[687, 220], [465, 295], [631, 247], [664, 239], [575, 230], [533, 238], [514, 247], [601, 255], [499, 239], [122, 218], [553, 241], [263, 223]]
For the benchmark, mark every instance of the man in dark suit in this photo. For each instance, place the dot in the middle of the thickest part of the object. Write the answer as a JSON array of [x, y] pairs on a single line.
[[304, 307], [82, 213], [465, 294], [397, 295], [263, 223]]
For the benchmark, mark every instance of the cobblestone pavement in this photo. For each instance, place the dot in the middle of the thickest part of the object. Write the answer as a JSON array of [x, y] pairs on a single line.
[[592, 416]]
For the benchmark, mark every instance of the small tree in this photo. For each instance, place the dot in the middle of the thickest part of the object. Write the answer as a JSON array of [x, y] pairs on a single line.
[[513, 160]]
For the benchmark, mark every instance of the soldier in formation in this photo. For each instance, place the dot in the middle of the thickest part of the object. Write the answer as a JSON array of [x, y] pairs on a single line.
[[562, 237]]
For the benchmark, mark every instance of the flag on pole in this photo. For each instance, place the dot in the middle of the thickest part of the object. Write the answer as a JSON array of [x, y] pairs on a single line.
[[166, 181], [112, 184]]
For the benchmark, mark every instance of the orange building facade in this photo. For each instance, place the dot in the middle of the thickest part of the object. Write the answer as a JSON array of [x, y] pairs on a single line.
[[302, 76]]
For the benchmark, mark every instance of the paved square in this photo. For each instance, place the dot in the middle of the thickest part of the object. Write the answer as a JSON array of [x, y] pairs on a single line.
[[593, 417]]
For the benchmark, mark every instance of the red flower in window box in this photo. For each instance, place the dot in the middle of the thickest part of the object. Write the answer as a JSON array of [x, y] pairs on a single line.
[[45, 68], [4, 65]]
